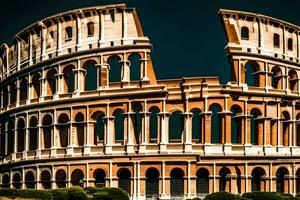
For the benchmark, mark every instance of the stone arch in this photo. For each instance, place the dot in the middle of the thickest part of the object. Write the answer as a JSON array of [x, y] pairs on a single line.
[[276, 77], [258, 179], [69, 78], [282, 180], [256, 127], [5, 180], [61, 178], [23, 89], [47, 126], [245, 33], [99, 126], [30, 180], [236, 125], [176, 126], [17, 180], [91, 74], [202, 181], [51, 82], [286, 127], [77, 178], [152, 182], [216, 123], [21, 135], [11, 133], [154, 124], [225, 183], [33, 131], [196, 125], [137, 120], [135, 66], [99, 176], [46, 179], [293, 80], [251, 76], [119, 124], [115, 66], [177, 182], [124, 181], [63, 129], [80, 126], [36, 85]]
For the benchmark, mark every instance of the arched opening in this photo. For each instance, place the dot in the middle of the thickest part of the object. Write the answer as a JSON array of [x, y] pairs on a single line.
[[21, 135], [91, 75], [281, 180], [51, 82], [256, 127], [63, 129], [115, 68], [29, 180], [251, 76], [154, 124], [276, 40], [290, 44], [90, 29], [286, 123], [137, 121], [124, 181], [46, 179], [177, 183], [79, 123], [17, 181], [298, 181], [77, 178], [36, 85], [99, 176], [99, 126], [293, 80], [276, 77], [202, 181], [2, 140], [258, 182], [68, 33], [236, 125], [33, 133], [196, 125], [176, 126], [224, 179], [68, 75], [119, 125], [135, 62], [245, 33], [216, 124], [61, 178], [152, 183], [13, 93], [23, 89], [47, 131], [10, 138], [5, 97], [5, 181], [238, 180]]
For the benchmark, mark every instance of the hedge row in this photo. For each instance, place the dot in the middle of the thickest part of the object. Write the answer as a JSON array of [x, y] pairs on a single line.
[[251, 196]]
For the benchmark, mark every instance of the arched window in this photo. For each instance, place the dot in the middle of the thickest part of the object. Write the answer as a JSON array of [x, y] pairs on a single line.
[[61, 178], [29, 180], [90, 29], [256, 127], [17, 181], [202, 181], [282, 180], [276, 77], [134, 66], [124, 176], [290, 44], [79, 119], [69, 33], [285, 116], [33, 133], [196, 125], [119, 125], [258, 179], [5, 181], [245, 33], [47, 131], [99, 126], [152, 183], [177, 183], [251, 76], [153, 124], [298, 181], [236, 125], [216, 124], [176, 126], [137, 122], [77, 178], [46, 179], [51, 82], [21, 135], [276, 41], [293, 80], [115, 69], [99, 176], [13, 93], [23, 89], [11, 143], [91, 75], [68, 79], [36, 85], [224, 179], [63, 128]]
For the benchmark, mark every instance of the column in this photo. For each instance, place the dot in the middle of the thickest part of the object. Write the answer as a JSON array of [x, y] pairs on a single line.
[[59, 37], [6, 138], [163, 179], [124, 26], [125, 71], [29, 89], [39, 136], [18, 54], [18, 89], [164, 131], [206, 126], [144, 68], [78, 33], [30, 48], [15, 131], [109, 133], [145, 131], [43, 86], [1, 99], [103, 79], [79, 78], [129, 131], [43, 48], [55, 136], [26, 146], [59, 86], [101, 28], [8, 95], [188, 131]]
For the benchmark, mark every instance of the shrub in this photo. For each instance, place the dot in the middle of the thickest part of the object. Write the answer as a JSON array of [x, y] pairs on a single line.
[[111, 194], [223, 196], [77, 193], [8, 192], [267, 196], [59, 194], [91, 190]]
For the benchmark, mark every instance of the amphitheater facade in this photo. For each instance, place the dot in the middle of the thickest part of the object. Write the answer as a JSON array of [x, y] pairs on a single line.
[[81, 105]]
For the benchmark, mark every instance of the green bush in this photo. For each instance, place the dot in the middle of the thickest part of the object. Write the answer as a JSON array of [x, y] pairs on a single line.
[[77, 193], [223, 196], [268, 196], [59, 194], [111, 194], [8, 192], [91, 190]]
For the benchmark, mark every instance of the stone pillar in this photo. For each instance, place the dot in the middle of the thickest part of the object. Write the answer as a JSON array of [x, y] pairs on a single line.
[[206, 126], [125, 71], [103, 79], [15, 132], [8, 95], [30, 49], [18, 90], [18, 54], [78, 32], [43, 86], [59, 37], [129, 131], [164, 131], [101, 28], [1, 99], [43, 46], [124, 26], [79, 79], [109, 133], [187, 132], [29, 90], [6, 138], [60, 85], [145, 131], [144, 68]]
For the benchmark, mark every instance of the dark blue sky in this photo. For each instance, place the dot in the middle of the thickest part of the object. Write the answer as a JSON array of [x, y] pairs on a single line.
[[187, 36]]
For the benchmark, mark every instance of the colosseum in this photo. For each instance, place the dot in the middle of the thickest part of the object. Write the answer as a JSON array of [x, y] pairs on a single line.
[[81, 105]]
